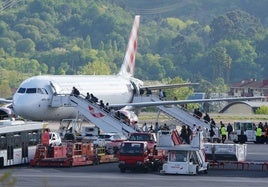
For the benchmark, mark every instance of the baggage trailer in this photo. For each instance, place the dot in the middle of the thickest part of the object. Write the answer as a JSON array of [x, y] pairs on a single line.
[[69, 154], [66, 155]]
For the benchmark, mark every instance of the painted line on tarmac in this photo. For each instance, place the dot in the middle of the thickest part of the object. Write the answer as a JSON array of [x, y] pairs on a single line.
[[145, 177]]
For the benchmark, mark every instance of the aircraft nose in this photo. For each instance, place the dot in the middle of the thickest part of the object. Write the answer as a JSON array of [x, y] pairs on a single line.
[[22, 105]]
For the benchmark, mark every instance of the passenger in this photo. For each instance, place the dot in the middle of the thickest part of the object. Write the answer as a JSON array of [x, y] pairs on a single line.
[[211, 133], [75, 92], [107, 108], [265, 137], [213, 123], [101, 104], [165, 127], [194, 129], [135, 126], [189, 135], [183, 134], [87, 97], [206, 118], [156, 126], [145, 128], [93, 98], [151, 129], [195, 113], [229, 130], [161, 94]]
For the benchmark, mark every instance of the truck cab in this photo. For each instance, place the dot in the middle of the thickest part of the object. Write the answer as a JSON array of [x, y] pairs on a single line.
[[148, 137], [135, 155], [184, 159], [244, 132]]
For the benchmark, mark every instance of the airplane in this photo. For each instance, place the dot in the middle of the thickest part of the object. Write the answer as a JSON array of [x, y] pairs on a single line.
[[33, 98]]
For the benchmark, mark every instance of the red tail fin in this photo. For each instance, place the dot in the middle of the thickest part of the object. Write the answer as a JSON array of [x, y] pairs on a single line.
[[128, 65]]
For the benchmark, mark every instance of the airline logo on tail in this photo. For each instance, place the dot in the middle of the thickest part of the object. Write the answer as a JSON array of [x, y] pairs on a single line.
[[128, 65], [94, 114]]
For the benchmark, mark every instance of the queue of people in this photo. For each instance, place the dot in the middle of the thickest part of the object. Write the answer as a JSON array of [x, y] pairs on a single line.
[[186, 132]]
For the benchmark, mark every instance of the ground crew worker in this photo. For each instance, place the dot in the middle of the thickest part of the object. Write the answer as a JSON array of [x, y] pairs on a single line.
[[258, 135], [223, 133], [45, 137], [45, 142]]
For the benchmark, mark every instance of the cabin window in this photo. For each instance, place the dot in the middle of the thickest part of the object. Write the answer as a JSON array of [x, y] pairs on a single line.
[[33, 138], [3, 142], [21, 90], [31, 90], [17, 140]]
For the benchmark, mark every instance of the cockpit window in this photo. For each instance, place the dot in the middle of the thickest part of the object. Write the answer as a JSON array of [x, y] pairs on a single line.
[[44, 91], [31, 90], [21, 90], [39, 90]]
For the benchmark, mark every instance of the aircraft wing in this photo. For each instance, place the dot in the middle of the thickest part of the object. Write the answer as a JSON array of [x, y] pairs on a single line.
[[175, 102], [168, 86], [5, 101]]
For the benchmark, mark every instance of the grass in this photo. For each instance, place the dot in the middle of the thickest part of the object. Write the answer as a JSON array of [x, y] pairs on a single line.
[[227, 118]]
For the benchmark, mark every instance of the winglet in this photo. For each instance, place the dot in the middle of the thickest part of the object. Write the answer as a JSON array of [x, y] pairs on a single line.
[[128, 65]]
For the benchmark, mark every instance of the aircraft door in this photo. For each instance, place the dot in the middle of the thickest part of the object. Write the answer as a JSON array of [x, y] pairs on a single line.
[[54, 88], [136, 90]]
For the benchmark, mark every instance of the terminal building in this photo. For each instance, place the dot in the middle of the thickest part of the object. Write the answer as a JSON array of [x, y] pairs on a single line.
[[246, 88]]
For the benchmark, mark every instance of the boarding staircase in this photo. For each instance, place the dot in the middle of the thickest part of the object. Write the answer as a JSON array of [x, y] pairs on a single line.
[[166, 138], [181, 115], [103, 119]]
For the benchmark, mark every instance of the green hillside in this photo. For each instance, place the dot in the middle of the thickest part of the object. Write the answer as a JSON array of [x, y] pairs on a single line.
[[194, 40]]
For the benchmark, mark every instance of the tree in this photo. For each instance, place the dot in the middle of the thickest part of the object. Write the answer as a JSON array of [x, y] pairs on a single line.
[[5, 91], [242, 55], [262, 110], [181, 93], [235, 24], [96, 68], [7, 45], [25, 45], [219, 60]]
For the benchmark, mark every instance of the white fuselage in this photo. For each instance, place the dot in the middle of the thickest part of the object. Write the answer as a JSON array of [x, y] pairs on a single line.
[[33, 98]]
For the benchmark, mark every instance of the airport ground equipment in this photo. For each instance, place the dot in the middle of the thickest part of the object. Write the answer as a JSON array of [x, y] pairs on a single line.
[[139, 151], [105, 120], [182, 158], [227, 152], [244, 132], [70, 154], [18, 140], [136, 155], [181, 115]]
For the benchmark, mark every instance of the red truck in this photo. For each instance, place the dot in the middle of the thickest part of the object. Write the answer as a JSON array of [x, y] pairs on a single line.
[[139, 153]]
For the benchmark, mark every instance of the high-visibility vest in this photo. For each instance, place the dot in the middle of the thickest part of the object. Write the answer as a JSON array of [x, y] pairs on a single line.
[[223, 131], [258, 132]]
